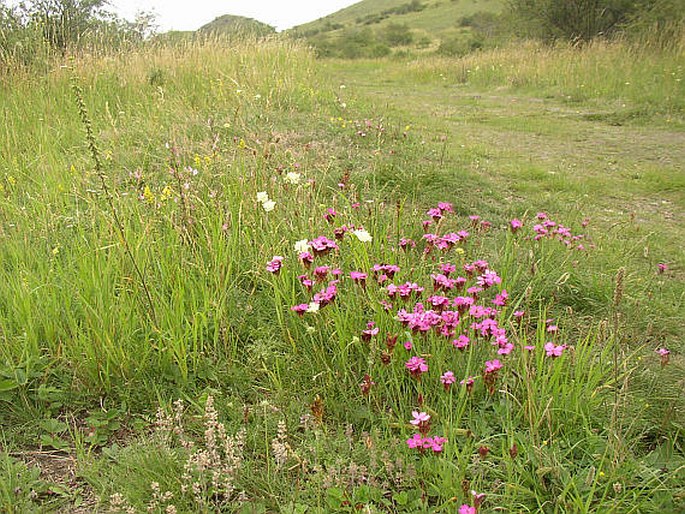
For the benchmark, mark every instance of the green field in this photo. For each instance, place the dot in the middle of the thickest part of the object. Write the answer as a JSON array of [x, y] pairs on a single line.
[[150, 356]]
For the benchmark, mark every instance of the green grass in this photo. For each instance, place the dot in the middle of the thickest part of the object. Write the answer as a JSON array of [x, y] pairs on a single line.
[[188, 137]]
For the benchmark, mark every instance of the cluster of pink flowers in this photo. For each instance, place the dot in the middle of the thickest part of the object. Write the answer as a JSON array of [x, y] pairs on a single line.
[[423, 443], [462, 311], [547, 228], [445, 242], [404, 290]]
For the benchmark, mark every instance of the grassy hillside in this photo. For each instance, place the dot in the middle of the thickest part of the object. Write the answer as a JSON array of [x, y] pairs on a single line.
[[428, 23]]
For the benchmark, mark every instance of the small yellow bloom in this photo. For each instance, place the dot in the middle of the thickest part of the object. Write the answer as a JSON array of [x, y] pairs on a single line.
[[148, 195]]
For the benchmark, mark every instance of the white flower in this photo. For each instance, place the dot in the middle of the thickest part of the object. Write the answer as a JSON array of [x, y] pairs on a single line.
[[269, 205], [363, 235], [292, 177], [302, 246], [313, 307], [262, 197]]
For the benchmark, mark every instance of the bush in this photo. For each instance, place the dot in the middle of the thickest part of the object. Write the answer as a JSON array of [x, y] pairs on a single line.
[[575, 20], [397, 35]]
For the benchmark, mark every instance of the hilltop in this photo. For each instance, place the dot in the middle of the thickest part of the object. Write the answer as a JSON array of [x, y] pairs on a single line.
[[374, 27], [232, 25]]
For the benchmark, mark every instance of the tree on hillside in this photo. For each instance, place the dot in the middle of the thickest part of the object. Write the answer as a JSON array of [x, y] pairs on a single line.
[[575, 20], [64, 22]]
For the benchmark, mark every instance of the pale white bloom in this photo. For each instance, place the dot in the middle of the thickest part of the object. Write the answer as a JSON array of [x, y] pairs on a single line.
[[302, 246], [269, 205], [262, 197], [292, 177], [363, 235], [313, 307]]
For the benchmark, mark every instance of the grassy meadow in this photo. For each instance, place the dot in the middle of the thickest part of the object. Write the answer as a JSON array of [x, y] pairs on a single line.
[[241, 279]]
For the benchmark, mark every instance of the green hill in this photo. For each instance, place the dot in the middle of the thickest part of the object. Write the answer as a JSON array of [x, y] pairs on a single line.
[[236, 25], [375, 27]]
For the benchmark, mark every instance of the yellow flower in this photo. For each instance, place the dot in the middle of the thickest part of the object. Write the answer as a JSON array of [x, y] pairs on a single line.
[[148, 195]]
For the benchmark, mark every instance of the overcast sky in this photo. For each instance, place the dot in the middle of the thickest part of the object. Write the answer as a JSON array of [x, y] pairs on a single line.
[[192, 14]]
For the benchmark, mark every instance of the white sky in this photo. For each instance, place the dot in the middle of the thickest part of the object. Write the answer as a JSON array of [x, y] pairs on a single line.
[[192, 14]]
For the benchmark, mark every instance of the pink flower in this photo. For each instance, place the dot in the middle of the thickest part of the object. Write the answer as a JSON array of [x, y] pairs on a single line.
[[445, 207], [300, 309], [274, 265], [662, 267], [370, 331], [419, 418], [477, 498], [306, 281], [492, 366], [359, 277], [322, 245], [506, 349], [321, 272], [664, 353], [515, 224], [407, 243], [554, 351], [501, 299], [438, 443], [434, 213], [416, 366], [415, 441], [467, 509], [461, 342], [448, 379], [519, 314], [306, 258], [468, 383], [529, 347], [448, 268], [330, 215]]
